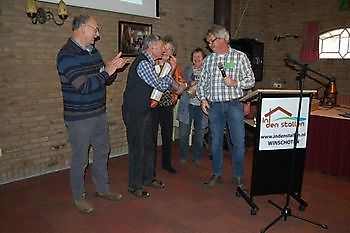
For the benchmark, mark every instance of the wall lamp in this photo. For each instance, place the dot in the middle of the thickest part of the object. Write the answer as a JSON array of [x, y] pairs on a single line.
[[277, 38], [41, 16]]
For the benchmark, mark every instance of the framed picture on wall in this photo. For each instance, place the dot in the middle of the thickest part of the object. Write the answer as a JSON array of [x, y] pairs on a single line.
[[131, 36]]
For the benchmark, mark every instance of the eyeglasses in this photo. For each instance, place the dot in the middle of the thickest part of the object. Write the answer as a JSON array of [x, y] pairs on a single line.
[[170, 49], [211, 42], [96, 29]]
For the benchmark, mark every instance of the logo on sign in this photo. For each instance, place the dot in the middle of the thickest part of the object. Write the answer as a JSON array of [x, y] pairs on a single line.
[[281, 118]]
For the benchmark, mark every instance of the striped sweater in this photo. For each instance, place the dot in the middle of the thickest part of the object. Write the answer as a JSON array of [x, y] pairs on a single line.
[[83, 81]]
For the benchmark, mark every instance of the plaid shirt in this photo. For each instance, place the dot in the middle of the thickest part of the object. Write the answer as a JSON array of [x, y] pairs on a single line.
[[211, 84], [148, 74]]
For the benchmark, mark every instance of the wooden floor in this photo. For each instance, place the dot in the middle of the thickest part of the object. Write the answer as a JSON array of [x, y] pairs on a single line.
[[43, 204]]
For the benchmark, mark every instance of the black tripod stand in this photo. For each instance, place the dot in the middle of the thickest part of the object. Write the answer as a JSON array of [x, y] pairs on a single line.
[[286, 211]]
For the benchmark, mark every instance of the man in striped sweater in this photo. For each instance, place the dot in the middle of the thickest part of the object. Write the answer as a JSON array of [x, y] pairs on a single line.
[[84, 77]]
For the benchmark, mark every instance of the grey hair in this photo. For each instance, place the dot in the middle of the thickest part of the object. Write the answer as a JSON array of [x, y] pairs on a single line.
[[219, 32], [149, 40], [79, 20], [168, 39]]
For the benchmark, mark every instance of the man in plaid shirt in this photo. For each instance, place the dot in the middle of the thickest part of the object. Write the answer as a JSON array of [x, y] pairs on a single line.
[[225, 77], [136, 110]]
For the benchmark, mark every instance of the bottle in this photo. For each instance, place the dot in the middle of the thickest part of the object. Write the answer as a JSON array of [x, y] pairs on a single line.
[[192, 89]]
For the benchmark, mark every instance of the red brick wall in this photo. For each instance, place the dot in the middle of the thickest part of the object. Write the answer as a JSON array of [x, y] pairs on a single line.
[[266, 18], [33, 137]]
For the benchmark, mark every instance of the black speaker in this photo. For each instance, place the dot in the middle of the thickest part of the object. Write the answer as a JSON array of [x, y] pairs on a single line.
[[255, 53], [157, 8]]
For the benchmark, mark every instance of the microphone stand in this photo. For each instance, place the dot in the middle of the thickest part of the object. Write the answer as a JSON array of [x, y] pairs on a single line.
[[330, 93], [286, 211]]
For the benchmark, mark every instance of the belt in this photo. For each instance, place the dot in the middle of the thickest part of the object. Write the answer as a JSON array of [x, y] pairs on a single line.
[[224, 101]]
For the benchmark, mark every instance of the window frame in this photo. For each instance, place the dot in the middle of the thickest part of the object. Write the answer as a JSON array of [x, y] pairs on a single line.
[[338, 47]]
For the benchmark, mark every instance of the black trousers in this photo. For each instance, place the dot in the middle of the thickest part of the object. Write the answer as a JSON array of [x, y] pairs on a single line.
[[141, 147], [163, 116]]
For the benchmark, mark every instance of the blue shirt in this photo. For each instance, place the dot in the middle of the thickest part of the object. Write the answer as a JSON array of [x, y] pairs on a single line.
[[146, 71]]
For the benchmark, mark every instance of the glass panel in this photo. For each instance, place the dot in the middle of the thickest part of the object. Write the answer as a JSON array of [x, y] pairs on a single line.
[[331, 44], [344, 48], [335, 44], [330, 55]]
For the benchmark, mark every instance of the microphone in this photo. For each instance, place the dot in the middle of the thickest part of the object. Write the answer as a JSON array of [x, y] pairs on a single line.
[[292, 63], [277, 38], [222, 70]]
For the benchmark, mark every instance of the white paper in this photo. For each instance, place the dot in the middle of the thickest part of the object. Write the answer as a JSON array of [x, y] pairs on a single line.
[[156, 95]]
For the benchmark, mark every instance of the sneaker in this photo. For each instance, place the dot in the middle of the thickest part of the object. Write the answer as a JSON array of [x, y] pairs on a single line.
[[215, 179], [109, 195], [83, 205]]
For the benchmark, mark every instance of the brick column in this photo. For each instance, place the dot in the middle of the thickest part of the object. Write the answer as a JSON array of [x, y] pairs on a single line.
[[222, 13]]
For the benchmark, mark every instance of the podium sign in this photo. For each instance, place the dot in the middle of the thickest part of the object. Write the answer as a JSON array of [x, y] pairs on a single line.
[[275, 157], [278, 123]]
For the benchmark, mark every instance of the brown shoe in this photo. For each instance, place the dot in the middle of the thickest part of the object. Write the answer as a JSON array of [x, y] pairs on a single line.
[[83, 205], [109, 195], [215, 179]]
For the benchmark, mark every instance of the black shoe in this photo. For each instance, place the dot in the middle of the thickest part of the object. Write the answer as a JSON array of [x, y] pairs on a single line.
[[171, 170], [154, 183], [139, 192]]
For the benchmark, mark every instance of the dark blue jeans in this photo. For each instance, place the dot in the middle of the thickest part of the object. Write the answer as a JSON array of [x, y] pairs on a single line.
[[231, 113]]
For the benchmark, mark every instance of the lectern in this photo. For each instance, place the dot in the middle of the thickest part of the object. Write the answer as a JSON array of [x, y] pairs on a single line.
[[275, 126]]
